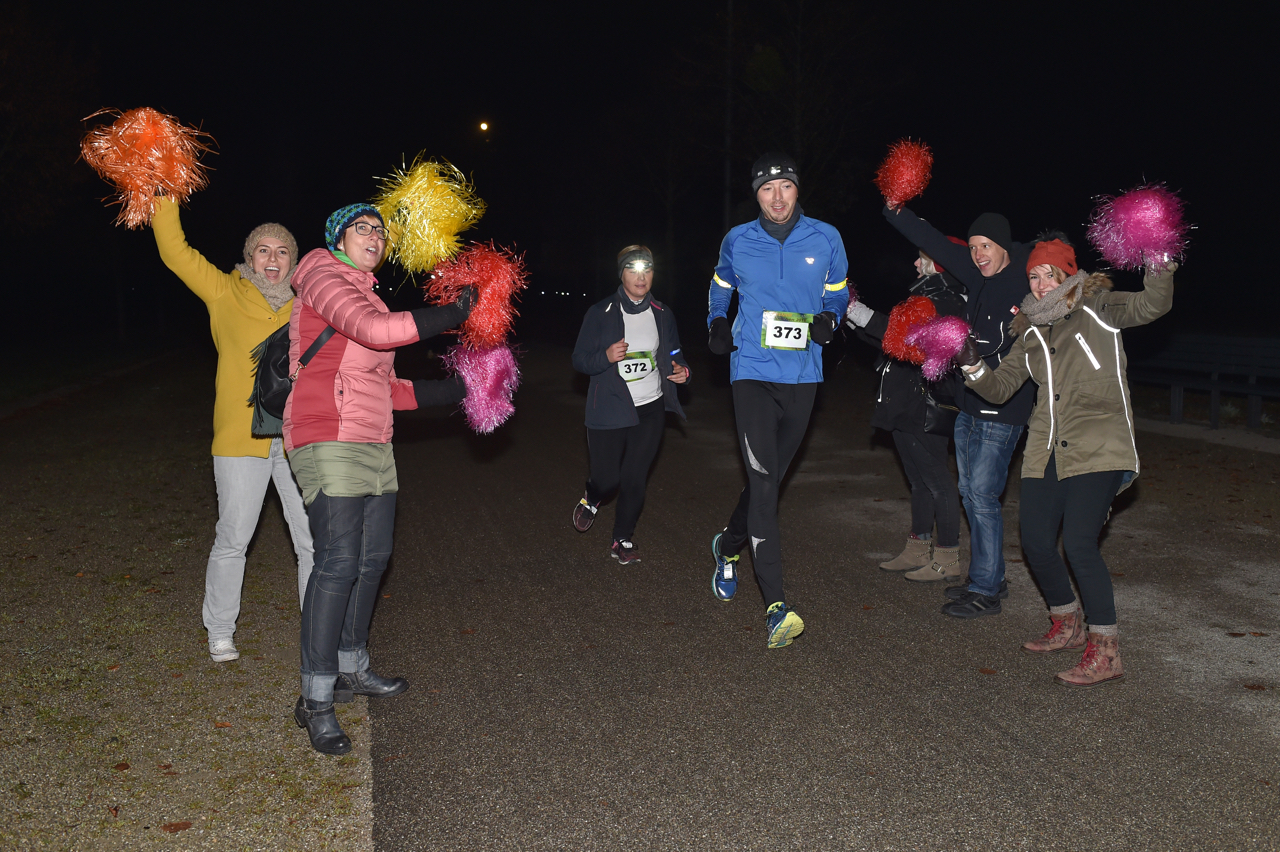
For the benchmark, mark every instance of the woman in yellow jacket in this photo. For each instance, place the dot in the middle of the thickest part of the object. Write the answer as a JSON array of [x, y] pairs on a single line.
[[245, 306]]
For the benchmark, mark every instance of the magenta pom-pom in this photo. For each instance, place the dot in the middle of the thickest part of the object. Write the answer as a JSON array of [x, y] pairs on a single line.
[[940, 339], [1143, 226], [905, 172], [491, 376]]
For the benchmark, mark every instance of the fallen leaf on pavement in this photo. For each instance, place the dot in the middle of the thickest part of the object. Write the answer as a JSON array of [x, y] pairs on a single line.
[[175, 827]]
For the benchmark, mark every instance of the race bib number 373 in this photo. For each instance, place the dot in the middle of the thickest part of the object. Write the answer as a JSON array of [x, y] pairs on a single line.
[[783, 330]]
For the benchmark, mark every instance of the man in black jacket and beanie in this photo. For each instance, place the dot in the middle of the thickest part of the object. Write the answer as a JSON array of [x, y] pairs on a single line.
[[993, 268]]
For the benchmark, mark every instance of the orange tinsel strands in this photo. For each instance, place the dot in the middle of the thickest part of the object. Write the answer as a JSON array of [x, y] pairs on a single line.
[[498, 274], [145, 153], [905, 318]]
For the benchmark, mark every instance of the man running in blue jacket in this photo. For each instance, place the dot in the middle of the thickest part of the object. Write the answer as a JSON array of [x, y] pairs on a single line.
[[790, 273]]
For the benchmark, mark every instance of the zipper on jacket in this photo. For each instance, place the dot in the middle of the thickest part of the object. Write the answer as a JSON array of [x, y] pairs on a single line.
[[1087, 351]]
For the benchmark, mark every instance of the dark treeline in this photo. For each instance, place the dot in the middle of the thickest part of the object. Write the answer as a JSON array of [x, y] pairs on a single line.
[[615, 125]]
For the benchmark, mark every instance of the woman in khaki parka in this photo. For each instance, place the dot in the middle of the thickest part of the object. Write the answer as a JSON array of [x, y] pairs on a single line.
[[1080, 450]]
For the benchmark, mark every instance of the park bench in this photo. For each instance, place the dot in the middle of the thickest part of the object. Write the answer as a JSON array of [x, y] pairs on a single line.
[[1243, 366]]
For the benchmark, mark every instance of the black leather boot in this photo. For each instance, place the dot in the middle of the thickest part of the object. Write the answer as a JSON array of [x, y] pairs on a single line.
[[322, 726], [367, 683]]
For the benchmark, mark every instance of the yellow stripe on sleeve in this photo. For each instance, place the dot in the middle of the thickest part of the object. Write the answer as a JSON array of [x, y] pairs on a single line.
[[721, 282], [839, 285]]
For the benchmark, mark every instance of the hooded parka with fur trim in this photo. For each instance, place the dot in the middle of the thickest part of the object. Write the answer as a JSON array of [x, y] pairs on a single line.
[[1083, 416]]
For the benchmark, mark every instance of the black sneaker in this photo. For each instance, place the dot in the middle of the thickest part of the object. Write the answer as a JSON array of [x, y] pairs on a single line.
[[584, 514], [955, 593], [624, 551], [972, 605]]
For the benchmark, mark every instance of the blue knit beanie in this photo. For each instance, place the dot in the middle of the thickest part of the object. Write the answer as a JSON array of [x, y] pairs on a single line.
[[342, 219]]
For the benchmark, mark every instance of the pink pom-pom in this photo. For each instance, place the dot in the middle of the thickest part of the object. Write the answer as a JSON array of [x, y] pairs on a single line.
[[905, 172], [940, 339], [491, 376], [498, 274], [1142, 226]]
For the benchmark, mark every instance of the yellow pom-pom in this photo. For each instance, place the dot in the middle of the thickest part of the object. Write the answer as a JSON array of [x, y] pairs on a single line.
[[425, 207]]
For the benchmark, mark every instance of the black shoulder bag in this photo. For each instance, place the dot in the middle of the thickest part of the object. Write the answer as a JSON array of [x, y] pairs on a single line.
[[271, 379]]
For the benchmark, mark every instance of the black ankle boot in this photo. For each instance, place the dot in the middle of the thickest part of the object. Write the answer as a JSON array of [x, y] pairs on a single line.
[[367, 683], [322, 726]]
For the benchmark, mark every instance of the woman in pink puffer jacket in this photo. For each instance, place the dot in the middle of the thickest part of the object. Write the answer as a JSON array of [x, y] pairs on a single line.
[[337, 431]]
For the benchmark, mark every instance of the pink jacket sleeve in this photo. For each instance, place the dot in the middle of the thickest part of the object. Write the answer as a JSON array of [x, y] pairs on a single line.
[[350, 310]]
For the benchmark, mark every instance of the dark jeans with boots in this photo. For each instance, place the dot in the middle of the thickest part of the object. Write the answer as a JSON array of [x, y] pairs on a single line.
[[352, 546]]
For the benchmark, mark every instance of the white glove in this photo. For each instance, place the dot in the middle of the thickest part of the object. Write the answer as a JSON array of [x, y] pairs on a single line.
[[857, 315]]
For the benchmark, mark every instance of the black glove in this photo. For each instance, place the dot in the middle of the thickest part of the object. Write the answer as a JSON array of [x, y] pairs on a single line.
[[443, 392], [968, 355], [467, 299], [720, 337], [823, 328], [435, 319]]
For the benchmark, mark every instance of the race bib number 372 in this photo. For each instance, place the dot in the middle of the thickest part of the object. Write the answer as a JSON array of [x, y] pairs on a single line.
[[783, 330], [636, 365]]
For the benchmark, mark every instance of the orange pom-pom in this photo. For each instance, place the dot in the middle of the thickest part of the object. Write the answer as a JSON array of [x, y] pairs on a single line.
[[145, 153], [904, 319], [498, 274], [905, 172]]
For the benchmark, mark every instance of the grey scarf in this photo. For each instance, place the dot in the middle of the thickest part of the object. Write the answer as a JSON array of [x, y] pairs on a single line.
[[276, 294], [1055, 304]]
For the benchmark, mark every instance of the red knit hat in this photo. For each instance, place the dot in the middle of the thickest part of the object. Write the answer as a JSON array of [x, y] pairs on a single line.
[[1054, 253]]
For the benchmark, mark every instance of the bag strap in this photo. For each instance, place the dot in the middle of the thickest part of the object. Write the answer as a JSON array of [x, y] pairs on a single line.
[[313, 349]]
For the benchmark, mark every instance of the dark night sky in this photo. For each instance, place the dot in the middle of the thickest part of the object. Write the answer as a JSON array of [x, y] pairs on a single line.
[[1031, 114]]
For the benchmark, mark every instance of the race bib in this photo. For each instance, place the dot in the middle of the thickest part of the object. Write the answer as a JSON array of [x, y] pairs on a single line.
[[634, 366], [782, 330]]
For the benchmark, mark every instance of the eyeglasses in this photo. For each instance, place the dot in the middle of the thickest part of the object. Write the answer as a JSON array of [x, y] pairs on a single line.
[[364, 229], [638, 266]]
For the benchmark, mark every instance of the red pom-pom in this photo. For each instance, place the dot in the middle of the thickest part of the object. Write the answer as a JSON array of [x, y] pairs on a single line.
[[903, 319], [498, 274], [145, 153], [905, 172]]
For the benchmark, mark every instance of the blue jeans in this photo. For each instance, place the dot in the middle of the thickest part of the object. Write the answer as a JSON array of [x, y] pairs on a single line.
[[983, 450], [352, 544]]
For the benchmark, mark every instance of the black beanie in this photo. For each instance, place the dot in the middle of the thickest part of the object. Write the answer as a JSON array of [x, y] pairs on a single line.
[[994, 227], [773, 167]]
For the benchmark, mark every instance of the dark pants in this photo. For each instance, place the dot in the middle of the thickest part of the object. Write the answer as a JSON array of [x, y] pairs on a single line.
[[621, 458], [352, 545], [1079, 504], [934, 496], [772, 419]]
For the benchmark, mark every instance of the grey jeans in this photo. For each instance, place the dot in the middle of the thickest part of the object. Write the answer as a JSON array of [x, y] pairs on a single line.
[[242, 488]]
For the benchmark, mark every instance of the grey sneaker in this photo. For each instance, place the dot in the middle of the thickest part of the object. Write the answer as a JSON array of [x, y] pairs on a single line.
[[223, 651]]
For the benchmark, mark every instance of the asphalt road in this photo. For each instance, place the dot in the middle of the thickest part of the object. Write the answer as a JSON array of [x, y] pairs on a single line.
[[561, 701]]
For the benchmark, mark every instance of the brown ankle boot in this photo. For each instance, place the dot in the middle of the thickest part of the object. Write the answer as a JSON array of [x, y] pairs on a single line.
[[945, 565], [914, 555], [1100, 664], [1066, 634]]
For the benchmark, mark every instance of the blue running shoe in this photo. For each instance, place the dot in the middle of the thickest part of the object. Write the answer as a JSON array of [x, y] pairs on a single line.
[[724, 582], [783, 623]]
